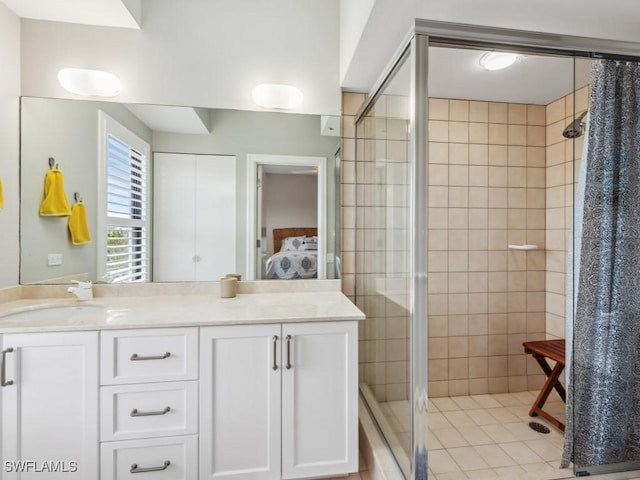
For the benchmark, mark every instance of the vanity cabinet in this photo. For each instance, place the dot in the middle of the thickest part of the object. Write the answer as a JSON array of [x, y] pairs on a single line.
[[278, 401], [50, 404], [149, 403]]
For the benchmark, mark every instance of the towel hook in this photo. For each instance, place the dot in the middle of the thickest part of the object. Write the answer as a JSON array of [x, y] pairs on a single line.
[[77, 197], [52, 162]]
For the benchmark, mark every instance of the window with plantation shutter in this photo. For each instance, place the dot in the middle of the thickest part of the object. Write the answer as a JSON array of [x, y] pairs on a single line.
[[125, 251]]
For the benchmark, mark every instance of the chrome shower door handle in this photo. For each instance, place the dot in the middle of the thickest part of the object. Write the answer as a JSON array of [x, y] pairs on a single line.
[[3, 368], [275, 352], [289, 337]]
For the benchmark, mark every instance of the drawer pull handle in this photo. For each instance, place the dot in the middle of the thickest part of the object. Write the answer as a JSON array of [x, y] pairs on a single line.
[[289, 352], [3, 369], [275, 352], [136, 469], [136, 413], [135, 356]]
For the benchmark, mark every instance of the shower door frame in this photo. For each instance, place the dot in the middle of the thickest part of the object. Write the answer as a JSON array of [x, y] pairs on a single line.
[[422, 34]]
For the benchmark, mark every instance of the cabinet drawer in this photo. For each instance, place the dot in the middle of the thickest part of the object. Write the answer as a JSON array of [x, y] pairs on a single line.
[[148, 410], [149, 355], [173, 458]]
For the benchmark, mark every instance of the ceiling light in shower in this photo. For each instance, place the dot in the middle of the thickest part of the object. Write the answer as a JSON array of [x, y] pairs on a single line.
[[90, 83], [498, 60], [271, 95]]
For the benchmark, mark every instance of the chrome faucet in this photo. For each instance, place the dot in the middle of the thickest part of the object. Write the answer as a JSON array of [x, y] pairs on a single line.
[[84, 290]]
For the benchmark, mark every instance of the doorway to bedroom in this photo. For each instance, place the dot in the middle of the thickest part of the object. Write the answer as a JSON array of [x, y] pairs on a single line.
[[288, 237]]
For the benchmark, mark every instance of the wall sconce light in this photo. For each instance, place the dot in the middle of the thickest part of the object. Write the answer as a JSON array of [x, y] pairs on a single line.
[[90, 83], [498, 60], [281, 97]]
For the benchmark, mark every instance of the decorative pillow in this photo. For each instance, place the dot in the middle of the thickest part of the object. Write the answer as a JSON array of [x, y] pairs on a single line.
[[292, 244], [310, 243]]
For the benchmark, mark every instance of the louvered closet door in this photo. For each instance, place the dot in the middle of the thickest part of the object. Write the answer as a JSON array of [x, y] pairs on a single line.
[[194, 217]]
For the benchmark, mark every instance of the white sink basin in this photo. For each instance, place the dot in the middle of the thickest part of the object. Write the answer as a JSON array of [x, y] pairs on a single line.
[[54, 313]]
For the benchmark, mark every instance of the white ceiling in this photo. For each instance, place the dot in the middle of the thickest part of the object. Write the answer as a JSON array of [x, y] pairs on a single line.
[[110, 13], [164, 118], [212, 52]]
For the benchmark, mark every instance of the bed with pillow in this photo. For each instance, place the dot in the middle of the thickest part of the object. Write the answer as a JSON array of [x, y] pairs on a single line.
[[296, 254]]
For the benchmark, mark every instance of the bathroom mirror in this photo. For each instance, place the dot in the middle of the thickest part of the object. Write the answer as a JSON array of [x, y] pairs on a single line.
[[76, 133]]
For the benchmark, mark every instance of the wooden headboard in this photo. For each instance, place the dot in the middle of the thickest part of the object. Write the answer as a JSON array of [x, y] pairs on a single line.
[[280, 234]]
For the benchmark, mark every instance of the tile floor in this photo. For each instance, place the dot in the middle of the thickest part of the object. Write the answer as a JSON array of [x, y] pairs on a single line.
[[486, 437]]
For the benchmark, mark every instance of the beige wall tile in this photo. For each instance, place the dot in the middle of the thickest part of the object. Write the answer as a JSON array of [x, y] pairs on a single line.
[[459, 132], [517, 135], [458, 197], [478, 196], [536, 136], [498, 155], [458, 239], [536, 177], [459, 153], [438, 152], [478, 132], [478, 154], [556, 111], [438, 131], [498, 134], [517, 156], [439, 175], [517, 177], [351, 103], [536, 157], [536, 115], [478, 324], [477, 240], [458, 218], [459, 110], [498, 112], [438, 109], [517, 114], [478, 111], [438, 196], [438, 240]]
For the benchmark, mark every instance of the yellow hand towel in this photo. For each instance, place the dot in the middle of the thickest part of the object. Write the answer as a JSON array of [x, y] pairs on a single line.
[[1, 196], [78, 226], [55, 203]]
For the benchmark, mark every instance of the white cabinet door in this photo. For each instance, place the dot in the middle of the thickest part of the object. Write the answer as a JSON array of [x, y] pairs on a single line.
[[215, 206], [194, 217], [50, 412], [319, 399], [240, 402]]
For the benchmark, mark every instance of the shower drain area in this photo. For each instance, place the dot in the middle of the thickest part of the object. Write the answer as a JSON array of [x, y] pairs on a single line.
[[538, 427]]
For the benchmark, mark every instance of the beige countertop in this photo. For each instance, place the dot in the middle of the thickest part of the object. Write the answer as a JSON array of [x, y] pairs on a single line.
[[54, 314]]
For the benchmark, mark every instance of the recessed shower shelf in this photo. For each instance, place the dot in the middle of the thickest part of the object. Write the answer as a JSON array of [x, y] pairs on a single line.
[[524, 247]]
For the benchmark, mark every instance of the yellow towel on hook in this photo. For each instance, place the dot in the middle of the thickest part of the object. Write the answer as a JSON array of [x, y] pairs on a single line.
[[1, 196], [55, 203], [78, 225]]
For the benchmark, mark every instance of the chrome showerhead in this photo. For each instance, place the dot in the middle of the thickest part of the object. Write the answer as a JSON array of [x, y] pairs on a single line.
[[576, 128]]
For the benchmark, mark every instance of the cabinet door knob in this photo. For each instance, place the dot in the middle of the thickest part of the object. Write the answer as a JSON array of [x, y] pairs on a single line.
[[3, 368], [275, 352], [196, 258], [136, 469], [289, 337]]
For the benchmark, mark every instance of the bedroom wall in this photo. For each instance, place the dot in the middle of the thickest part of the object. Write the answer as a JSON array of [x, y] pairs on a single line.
[[9, 160], [289, 201]]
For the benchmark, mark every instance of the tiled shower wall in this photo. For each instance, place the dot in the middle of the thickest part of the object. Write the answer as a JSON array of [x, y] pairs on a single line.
[[500, 174], [486, 191], [380, 267], [563, 161]]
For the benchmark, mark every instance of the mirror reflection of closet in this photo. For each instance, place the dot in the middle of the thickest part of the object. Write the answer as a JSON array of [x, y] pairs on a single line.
[[67, 130]]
